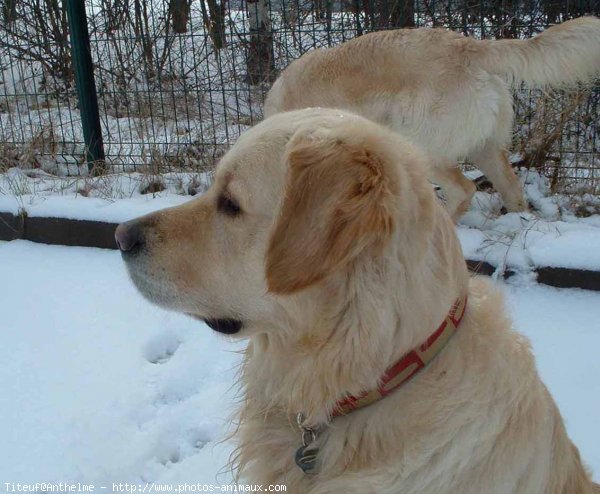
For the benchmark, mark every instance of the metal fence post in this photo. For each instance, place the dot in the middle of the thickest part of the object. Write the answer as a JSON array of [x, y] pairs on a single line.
[[86, 86]]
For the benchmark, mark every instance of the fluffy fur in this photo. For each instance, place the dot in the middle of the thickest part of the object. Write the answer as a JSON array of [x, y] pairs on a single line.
[[339, 260], [448, 93]]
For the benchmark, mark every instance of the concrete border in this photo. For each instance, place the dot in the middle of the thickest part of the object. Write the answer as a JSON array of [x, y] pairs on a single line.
[[569, 278], [58, 231], [85, 233], [11, 226]]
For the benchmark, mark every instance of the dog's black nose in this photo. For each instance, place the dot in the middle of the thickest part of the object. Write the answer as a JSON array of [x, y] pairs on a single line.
[[129, 237]]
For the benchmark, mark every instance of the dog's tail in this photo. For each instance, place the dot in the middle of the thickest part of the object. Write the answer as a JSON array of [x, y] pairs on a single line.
[[562, 55]]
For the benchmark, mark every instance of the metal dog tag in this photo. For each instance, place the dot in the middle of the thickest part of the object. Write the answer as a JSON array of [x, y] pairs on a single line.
[[306, 459]]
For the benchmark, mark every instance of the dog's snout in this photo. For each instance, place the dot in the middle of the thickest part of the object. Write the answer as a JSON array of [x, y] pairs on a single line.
[[130, 237]]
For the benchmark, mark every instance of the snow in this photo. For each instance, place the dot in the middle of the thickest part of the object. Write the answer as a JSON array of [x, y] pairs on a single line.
[[550, 235], [112, 198], [523, 241], [99, 386], [93, 209], [564, 326]]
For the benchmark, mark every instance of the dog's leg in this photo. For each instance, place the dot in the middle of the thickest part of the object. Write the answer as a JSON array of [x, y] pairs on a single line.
[[458, 190], [492, 160]]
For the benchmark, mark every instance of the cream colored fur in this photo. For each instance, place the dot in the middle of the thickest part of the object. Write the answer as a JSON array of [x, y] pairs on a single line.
[[340, 260], [448, 93]]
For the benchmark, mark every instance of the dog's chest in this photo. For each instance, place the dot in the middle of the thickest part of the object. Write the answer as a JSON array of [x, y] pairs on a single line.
[[416, 455]]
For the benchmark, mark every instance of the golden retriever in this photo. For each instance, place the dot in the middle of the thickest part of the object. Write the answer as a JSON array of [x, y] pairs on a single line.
[[322, 242], [448, 93]]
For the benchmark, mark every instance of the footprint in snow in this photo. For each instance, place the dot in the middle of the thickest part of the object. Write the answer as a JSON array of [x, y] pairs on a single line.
[[176, 445], [161, 348]]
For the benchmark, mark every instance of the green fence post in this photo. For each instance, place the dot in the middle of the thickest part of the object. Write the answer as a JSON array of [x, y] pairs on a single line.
[[86, 86]]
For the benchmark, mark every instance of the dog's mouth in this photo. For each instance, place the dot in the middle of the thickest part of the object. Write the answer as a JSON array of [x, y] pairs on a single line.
[[225, 326], [165, 295]]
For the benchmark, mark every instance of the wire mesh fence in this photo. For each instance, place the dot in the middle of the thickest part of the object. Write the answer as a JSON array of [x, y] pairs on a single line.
[[179, 80]]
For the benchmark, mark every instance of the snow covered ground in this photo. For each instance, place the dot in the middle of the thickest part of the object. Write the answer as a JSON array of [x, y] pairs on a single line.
[[99, 386], [113, 197], [550, 235]]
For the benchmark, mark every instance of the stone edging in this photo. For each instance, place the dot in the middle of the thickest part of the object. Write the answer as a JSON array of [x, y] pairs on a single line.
[[85, 233]]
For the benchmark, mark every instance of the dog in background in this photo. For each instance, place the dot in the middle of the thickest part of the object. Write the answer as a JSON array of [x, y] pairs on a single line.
[[449, 94], [323, 243]]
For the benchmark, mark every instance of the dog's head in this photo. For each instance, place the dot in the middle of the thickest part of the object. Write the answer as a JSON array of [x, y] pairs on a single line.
[[299, 205]]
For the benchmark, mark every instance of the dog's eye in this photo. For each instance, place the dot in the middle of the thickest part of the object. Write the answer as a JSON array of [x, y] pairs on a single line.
[[228, 206]]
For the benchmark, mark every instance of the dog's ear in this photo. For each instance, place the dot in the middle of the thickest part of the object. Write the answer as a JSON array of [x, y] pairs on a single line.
[[339, 202]]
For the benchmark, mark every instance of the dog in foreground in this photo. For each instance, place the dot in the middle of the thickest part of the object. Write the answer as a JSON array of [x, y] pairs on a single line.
[[448, 93], [375, 363]]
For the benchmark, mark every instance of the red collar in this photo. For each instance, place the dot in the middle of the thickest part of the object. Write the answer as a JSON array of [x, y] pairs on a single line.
[[409, 364]]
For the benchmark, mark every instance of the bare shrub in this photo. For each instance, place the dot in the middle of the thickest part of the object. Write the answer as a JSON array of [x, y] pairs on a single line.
[[554, 130], [38, 32]]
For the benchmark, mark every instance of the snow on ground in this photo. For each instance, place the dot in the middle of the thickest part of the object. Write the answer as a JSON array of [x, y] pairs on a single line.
[[524, 241], [100, 386], [550, 235], [93, 209], [97, 384], [113, 198]]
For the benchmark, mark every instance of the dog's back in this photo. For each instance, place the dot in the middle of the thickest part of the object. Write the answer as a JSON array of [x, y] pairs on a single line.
[[447, 93], [403, 78], [416, 82]]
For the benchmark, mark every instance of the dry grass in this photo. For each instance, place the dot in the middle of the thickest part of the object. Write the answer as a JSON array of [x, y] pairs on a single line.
[[559, 139]]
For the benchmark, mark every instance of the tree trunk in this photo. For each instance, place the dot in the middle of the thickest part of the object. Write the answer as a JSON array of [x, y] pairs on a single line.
[[261, 60], [180, 14], [9, 11], [214, 20], [143, 36], [385, 14], [402, 14]]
